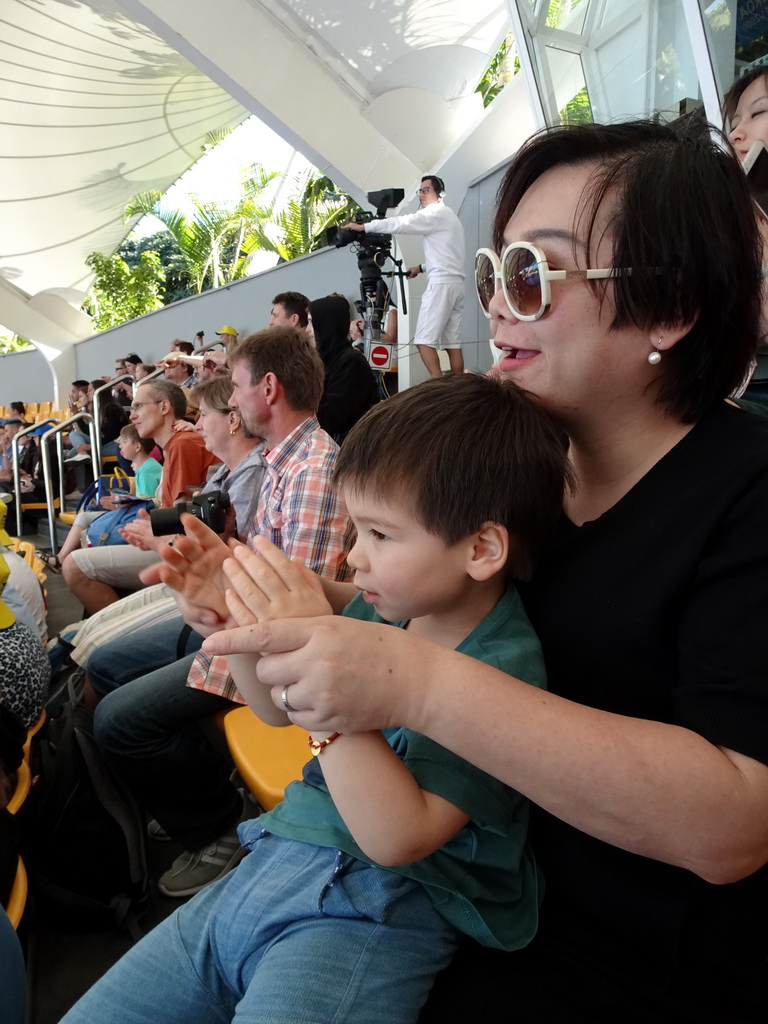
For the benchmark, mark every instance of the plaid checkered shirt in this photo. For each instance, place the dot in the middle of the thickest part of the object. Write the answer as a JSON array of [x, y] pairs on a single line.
[[302, 515]]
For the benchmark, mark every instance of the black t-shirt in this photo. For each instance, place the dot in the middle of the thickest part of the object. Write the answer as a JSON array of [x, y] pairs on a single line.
[[658, 610]]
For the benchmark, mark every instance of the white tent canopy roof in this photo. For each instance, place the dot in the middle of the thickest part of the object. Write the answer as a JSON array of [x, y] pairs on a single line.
[[94, 108], [102, 99]]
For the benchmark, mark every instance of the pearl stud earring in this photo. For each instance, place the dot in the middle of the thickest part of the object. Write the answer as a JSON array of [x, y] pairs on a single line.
[[654, 358]]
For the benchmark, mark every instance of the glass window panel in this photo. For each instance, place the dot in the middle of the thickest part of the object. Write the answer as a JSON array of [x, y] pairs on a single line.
[[567, 15], [570, 88], [634, 59], [612, 10]]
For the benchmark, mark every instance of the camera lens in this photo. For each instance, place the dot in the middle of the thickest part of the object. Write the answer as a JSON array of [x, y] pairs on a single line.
[[167, 520]]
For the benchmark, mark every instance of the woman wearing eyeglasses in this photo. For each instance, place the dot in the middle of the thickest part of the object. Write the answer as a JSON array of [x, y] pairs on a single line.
[[623, 290]]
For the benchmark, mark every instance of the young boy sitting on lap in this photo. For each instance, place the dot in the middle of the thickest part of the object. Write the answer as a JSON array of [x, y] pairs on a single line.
[[360, 883]]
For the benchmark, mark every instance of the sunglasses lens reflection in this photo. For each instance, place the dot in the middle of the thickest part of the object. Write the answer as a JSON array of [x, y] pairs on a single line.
[[522, 281], [485, 280]]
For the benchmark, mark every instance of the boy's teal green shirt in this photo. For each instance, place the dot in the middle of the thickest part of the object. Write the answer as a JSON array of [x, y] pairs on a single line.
[[484, 880], [148, 477]]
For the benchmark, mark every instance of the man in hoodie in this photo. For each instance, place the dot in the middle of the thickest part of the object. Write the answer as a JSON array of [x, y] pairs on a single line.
[[350, 387]]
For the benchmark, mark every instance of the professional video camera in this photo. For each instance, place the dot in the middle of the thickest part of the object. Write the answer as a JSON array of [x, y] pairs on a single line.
[[373, 249], [210, 508]]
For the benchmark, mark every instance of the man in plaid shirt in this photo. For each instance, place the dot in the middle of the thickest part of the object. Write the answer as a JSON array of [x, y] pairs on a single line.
[[149, 728]]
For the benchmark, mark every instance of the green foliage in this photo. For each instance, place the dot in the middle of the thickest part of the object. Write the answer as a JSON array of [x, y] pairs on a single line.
[[302, 223], [578, 110], [559, 11], [13, 343], [120, 292], [178, 281], [501, 70], [211, 238]]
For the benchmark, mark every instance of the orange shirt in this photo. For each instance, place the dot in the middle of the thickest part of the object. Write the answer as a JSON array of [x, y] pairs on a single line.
[[185, 466]]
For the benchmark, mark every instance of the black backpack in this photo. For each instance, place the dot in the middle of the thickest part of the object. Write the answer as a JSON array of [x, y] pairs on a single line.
[[83, 834]]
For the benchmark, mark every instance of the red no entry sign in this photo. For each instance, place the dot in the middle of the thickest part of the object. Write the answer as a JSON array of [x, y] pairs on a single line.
[[380, 355]]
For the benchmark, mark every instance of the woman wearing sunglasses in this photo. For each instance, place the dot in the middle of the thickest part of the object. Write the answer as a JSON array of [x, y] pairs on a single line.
[[623, 290]]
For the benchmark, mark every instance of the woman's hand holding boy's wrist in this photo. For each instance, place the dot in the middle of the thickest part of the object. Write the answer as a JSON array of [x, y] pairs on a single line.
[[344, 675]]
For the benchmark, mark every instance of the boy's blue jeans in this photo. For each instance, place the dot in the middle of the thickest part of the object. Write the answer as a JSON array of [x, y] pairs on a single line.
[[296, 933]]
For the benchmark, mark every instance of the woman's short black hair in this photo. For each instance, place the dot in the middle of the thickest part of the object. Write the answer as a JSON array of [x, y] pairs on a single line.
[[683, 220]]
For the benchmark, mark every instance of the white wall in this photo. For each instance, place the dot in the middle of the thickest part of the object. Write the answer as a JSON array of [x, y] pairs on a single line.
[[25, 377]]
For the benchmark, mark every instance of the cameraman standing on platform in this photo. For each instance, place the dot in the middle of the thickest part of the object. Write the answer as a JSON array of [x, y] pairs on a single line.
[[439, 324]]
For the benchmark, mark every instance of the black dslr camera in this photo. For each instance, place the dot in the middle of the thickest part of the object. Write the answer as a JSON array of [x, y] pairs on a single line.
[[210, 508]]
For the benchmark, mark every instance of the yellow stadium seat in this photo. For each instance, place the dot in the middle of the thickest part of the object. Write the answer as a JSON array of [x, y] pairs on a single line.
[[17, 901], [31, 733], [40, 504], [268, 757], [27, 551], [23, 786]]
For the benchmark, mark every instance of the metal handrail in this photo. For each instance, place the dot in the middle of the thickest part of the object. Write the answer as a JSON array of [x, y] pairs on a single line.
[[17, 473], [56, 431], [208, 347], [150, 376], [80, 416]]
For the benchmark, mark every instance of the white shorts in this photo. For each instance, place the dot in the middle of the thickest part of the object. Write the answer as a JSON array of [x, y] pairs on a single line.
[[118, 565], [439, 323], [84, 520]]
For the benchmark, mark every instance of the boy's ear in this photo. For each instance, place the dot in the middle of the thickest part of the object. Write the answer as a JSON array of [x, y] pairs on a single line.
[[489, 551]]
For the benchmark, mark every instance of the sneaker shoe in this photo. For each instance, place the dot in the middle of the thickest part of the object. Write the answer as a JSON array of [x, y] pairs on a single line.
[[195, 869], [156, 831]]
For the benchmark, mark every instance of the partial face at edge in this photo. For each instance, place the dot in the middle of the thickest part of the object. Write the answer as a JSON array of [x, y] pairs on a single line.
[[749, 123]]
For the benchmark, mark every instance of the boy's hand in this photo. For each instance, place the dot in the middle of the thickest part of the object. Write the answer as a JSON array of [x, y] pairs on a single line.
[[192, 567], [267, 585], [139, 532]]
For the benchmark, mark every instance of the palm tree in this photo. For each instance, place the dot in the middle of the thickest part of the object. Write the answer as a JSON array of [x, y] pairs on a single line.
[[300, 224], [313, 206], [212, 237]]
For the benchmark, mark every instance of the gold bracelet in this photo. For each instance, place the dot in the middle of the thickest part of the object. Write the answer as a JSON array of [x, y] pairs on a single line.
[[316, 746]]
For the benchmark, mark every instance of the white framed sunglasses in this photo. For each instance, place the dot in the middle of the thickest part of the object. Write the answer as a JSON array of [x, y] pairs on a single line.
[[525, 278]]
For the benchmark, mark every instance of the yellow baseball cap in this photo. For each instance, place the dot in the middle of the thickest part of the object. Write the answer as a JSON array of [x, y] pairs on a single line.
[[7, 618], [5, 539], [227, 330]]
